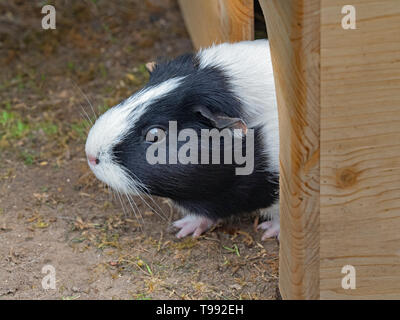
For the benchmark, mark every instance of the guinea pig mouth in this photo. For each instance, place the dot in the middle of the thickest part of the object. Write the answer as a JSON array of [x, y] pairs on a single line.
[[116, 177]]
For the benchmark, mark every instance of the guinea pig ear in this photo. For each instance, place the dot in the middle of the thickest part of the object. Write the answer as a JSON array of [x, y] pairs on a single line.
[[150, 66], [220, 120]]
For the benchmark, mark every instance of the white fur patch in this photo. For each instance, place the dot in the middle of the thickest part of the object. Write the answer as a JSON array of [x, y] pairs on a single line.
[[272, 212], [111, 128], [249, 69]]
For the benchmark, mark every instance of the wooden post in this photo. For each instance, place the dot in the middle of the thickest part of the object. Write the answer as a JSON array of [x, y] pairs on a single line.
[[360, 149], [350, 215], [216, 21], [293, 30]]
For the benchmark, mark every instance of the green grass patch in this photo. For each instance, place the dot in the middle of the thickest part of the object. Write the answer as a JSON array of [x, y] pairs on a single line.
[[49, 128], [27, 157], [11, 125], [71, 66], [80, 128], [235, 249], [142, 296], [14, 127]]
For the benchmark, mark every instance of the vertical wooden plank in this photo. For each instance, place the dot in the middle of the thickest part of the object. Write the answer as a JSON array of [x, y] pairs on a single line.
[[360, 149], [216, 21], [293, 30]]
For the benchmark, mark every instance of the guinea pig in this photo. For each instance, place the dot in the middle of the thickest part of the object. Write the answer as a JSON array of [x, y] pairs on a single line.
[[225, 87]]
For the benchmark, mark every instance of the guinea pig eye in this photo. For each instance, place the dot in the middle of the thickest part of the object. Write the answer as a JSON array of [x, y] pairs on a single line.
[[155, 135]]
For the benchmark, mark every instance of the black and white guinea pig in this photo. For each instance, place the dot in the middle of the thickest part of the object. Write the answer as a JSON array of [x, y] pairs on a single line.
[[226, 86]]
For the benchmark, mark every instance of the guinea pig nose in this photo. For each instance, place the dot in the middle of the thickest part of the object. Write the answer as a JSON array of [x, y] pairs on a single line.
[[93, 160]]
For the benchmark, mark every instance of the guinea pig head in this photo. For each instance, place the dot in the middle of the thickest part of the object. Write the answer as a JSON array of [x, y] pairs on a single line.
[[119, 142]]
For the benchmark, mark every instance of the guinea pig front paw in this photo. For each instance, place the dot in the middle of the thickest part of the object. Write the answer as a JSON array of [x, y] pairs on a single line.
[[192, 224], [272, 229]]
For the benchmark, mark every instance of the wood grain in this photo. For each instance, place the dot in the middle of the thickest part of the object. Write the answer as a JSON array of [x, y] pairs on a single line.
[[293, 29], [216, 21], [360, 149]]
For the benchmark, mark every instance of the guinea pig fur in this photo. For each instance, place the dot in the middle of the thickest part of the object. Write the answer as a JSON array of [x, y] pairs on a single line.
[[226, 86]]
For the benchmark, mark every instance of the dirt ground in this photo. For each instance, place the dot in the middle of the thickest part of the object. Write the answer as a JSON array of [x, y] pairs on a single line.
[[52, 209]]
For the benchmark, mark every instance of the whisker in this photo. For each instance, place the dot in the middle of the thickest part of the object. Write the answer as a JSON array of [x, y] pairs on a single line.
[[130, 200], [120, 200], [87, 99], [87, 116], [161, 214], [86, 123], [139, 188]]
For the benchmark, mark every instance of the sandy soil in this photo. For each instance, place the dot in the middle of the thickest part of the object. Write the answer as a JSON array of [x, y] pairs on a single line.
[[52, 209]]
